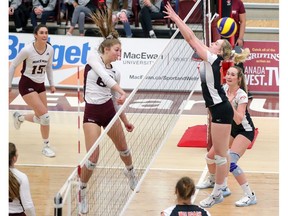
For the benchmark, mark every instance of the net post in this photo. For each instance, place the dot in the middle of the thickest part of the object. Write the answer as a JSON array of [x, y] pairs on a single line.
[[58, 205]]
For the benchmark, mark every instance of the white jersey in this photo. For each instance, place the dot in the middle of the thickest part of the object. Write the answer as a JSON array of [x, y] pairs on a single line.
[[25, 195], [98, 80], [35, 65], [241, 98]]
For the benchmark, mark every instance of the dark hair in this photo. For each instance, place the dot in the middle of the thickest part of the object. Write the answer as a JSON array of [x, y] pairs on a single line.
[[103, 19], [14, 185], [36, 29], [185, 188]]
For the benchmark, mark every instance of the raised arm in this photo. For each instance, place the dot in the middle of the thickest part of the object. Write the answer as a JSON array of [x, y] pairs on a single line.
[[186, 32]]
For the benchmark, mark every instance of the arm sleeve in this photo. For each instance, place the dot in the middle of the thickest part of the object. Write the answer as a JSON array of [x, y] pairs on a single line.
[[49, 69], [50, 6], [26, 198], [116, 94], [97, 67], [22, 55], [154, 7]]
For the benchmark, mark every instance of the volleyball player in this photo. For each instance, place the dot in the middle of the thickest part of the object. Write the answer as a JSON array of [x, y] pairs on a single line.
[[242, 134], [37, 60], [215, 99], [103, 95], [184, 190], [20, 201]]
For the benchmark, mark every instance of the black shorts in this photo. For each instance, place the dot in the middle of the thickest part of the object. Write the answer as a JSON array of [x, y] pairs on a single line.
[[100, 114], [248, 134], [26, 86], [222, 113]]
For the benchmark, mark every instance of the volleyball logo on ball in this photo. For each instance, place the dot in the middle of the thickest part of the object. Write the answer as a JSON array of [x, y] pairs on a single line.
[[226, 27]]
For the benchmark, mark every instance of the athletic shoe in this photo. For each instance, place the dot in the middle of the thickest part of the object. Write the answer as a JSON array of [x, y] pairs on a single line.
[[226, 192], [130, 174], [211, 200], [208, 183], [82, 201], [247, 201], [17, 122], [47, 151]]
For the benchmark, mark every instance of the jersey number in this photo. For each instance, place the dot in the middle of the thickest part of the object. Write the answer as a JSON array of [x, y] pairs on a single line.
[[38, 69]]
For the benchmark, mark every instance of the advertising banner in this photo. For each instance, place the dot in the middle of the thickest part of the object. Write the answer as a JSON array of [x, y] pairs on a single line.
[[262, 66], [139, 55]]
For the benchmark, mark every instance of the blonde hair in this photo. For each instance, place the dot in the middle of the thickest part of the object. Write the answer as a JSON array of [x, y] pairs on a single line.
[[241, 57], [103, 19], [229, 54]]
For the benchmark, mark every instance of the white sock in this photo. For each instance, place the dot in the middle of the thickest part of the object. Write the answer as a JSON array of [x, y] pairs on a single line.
[[224, 185], [130, 167], [19, 29], [83, 185], [46, 141], [151, 32], [21, 118], [217, 190], [246, 188]]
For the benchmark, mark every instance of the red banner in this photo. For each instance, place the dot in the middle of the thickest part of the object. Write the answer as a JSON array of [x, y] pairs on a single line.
[[262, 66]]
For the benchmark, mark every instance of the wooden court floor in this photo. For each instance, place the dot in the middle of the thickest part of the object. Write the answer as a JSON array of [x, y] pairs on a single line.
[[47, 175]]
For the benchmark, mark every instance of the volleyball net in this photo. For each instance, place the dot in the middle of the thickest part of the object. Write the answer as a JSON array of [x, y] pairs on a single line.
[[153, 108]]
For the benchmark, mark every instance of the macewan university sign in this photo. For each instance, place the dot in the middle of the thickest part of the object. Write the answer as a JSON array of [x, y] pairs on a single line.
[[262, 66]]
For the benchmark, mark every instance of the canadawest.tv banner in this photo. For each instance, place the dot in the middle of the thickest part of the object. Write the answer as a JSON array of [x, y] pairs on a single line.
[[262, 66], [138, 56]]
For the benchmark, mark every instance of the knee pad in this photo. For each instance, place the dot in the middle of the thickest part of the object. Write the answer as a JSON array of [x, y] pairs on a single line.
[[234, 168], [209, 160], [45, 119], [36, 119], [219, 160], [125, 153], [90, 165]]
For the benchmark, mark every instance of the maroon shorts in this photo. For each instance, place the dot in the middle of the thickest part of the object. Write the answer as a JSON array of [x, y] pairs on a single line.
[[27, 86], [17, 214], [100, 114]]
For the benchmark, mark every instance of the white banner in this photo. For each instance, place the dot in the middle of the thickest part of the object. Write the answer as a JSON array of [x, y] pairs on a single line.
[[138, 56]]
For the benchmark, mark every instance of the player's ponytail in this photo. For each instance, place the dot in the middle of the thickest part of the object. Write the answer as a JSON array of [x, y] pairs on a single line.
[[103, 19]]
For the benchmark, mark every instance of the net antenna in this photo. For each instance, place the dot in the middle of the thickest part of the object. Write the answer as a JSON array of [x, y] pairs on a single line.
[[153, 107]]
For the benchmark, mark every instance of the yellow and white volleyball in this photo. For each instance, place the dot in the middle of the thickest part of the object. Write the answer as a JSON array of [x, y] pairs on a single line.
[[226, 27]]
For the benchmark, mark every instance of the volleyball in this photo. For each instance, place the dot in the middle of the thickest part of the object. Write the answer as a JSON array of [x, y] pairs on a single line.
[[226, 27]]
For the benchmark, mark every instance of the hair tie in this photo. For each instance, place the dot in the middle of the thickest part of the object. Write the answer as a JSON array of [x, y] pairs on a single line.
[[110, 36]]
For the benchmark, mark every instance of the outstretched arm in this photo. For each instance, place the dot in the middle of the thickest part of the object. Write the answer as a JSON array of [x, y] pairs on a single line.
[[187, 33]]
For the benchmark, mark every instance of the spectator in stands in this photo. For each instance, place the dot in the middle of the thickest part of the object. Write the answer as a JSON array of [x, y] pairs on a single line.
[[42, 9], [122, 11], [184, 190], [19, 13], [150, 10], [82, 9], [20, 201], [239, 15]]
